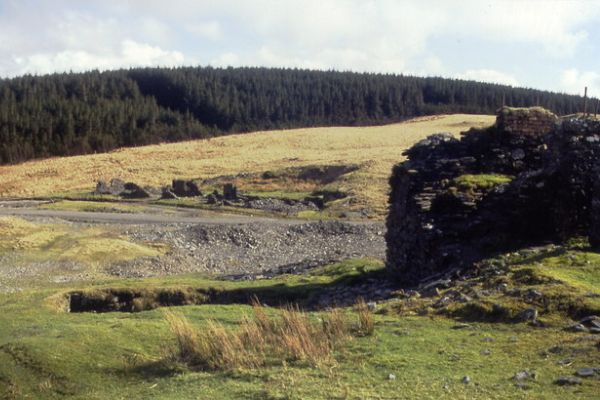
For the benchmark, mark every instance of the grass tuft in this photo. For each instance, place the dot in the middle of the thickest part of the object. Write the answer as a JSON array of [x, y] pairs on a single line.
[[366, 322], [290, 336]]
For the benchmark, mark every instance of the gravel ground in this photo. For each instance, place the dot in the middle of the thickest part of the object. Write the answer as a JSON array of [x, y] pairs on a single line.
[[249, 249], [239, 247]]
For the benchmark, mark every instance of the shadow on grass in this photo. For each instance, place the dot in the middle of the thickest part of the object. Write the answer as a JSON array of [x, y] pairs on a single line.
[[276, 294]]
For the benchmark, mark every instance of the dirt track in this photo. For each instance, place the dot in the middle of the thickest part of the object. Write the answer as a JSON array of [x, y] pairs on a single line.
[[174, 217]]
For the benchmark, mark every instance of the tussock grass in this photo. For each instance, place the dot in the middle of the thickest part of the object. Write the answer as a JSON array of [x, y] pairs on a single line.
[[366, 322], [289, 336]]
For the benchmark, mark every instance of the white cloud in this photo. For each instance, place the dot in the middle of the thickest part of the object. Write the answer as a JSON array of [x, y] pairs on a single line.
[[489, 75], [573, 81], [227, 59], [130, 54], [359, 35], [209, 30], [556, 26]]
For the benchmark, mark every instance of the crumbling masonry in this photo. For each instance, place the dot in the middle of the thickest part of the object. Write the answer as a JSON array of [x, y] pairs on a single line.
[[531, 178]]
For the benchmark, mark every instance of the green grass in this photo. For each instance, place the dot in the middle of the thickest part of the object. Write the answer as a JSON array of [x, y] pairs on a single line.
[[482, 181], [46, 353], [91, 206]]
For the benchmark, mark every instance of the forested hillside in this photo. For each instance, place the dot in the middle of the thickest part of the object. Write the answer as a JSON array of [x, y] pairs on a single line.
[[79, 113]]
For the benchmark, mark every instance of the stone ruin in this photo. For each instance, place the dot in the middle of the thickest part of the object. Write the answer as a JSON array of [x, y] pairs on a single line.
[[183, 188], [530, 179]]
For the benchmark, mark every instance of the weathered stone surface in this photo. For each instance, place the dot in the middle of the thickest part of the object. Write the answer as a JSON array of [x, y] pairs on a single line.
[[438, 222], [182, 188], [230, 192], [526, 121], [114, 187]]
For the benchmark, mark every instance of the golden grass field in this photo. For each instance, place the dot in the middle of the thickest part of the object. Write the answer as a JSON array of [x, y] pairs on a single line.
[[376, 149]]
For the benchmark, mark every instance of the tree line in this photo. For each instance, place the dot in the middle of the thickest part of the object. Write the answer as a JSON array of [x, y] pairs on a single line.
[[81, 113]]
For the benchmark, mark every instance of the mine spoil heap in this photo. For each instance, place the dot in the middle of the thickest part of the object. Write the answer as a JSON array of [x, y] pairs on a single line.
[[532, 178]]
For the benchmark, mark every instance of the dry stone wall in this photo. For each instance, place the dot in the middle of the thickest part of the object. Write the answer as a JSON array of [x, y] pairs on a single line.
[[526, 121]]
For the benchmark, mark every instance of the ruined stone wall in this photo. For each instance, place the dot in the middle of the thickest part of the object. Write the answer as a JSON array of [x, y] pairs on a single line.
[[526, 121], [439, 221]]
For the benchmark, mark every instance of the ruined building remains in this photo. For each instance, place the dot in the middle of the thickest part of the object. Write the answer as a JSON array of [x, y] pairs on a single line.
[[532, 178]]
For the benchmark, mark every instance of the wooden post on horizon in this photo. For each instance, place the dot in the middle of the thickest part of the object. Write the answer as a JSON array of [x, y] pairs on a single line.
[[585, 101], [596, 109], [503, 99]]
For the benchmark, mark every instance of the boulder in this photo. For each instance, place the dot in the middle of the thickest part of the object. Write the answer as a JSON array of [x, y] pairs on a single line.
[[114, 187]]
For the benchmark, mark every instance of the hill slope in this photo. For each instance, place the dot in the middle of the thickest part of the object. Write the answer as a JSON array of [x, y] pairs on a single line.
[[374, 149], [69, 114]]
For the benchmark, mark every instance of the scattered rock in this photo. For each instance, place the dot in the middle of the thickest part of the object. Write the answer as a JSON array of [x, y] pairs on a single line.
[[391, 377], [567, 381], [533, 294], [211, 199], [115, 187], [466, 379], [577, 328], [502, 287], [134, 191], [586, 372], [522, 385], [524, 375], [282, 206], [565, 362], [529, 314], [268, 248], [168, 194]]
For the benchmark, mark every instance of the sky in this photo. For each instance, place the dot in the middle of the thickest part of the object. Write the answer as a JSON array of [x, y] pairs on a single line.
[[550, 45]]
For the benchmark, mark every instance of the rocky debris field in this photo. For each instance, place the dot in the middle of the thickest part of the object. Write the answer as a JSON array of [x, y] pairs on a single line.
[[252, 250]]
